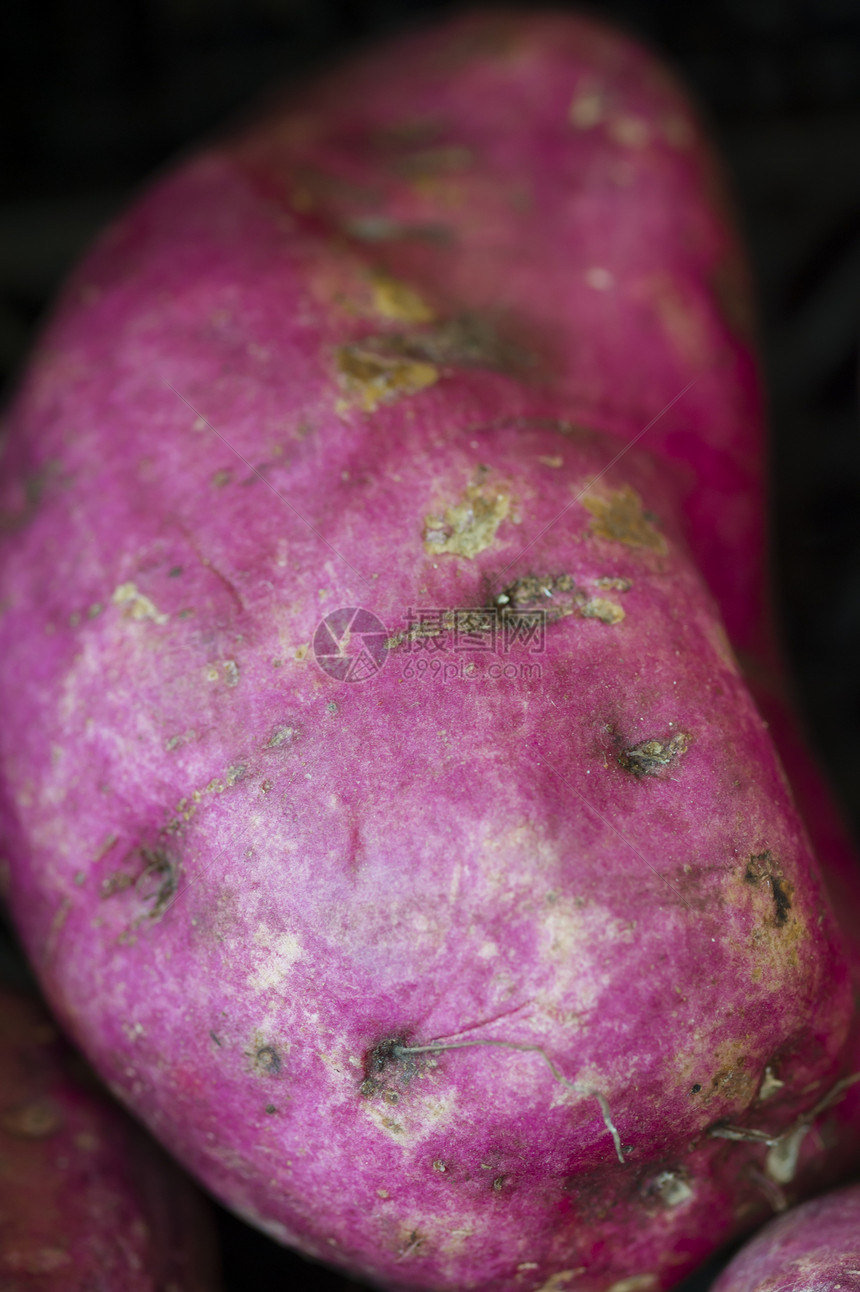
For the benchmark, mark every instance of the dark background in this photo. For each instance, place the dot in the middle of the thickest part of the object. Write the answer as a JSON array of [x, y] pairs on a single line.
[[96, 94]]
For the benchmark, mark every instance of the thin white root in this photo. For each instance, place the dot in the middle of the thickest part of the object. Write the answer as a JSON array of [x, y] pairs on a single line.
[[784, 1149], [780, 1165], [771, 1190], [743, 1135], [529, 1049], [604, 1108]]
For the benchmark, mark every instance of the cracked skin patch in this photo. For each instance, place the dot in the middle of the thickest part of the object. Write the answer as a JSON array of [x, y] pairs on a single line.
[[469, 526], [556, 597], [764, 870], [619, 517], [370, 378], [395, 300]]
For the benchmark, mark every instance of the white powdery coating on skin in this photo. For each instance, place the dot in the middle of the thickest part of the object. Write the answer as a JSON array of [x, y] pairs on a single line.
[[410, 1123], [282, 951], [570, 935]]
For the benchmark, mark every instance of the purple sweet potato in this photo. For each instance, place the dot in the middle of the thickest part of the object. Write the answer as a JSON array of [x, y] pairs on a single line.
[[813, 1246], [87, 1201], [388, 816]]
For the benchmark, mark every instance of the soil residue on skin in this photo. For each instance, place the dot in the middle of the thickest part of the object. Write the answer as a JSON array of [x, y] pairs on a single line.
[[554, 595], [135, 605], [469, 526], [619, 517], [651, 757], [398, 301], [284, 734], [379, 369], [519, 613], [370, 377], [554, 598], [763, 869], [735, 1082]]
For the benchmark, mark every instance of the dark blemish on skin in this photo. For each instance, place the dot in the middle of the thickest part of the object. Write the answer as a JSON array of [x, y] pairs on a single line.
[[157, 882], [270, 1108], [267, 1061], [383, 1061], [758, 866], [415, 1241], [468, 341], [762, 867], [781, 900], [175, 572], [694, 1090], [215, 1038]]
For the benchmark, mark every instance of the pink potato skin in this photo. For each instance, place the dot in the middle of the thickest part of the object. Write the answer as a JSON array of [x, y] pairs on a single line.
[[397, 347], [87, 1202], [814, 1246]]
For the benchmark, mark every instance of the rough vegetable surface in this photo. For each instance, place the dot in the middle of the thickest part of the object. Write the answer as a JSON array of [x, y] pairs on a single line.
[[814, 1246], [86, 1200], [499, 969]]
